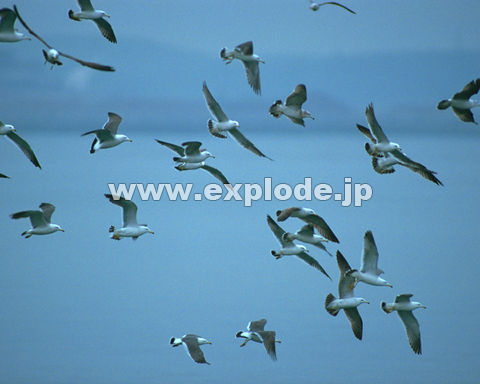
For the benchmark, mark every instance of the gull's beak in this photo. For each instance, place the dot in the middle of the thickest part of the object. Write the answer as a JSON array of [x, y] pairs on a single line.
[[152, 232], [61, 229], [367, 302], [131, 141], [107, 15], [209, 342], [423, 306], [213, 157]]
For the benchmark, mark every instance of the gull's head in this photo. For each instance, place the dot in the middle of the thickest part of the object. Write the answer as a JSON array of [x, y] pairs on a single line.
[[235, 124], [314, 6], [309, 211], [126, 138], [208, 154], [201, 341], [104, 14], [306, 114], [396, 146], [58, 228], [303, 248], [362, 300], [9, 128]]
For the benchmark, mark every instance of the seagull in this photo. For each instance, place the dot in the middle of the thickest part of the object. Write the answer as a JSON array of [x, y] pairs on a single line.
[[289, 248], [244, 52], [89, 13], [404, 308], [107, 137], [192, 346], [369, 272], [9, 131], [314, 5], [223, 124], [461, 102], [52, 55], [347, 301], [257, 333], [40, 220], [306, 234], [293, 106], [7, 33], [130, 227], [310, 217]]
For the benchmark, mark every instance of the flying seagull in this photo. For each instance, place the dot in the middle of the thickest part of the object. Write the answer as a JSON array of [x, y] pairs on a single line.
[[9, 131], [310, 217], [289, 248], [347, 301], [461, 102], [107, 137], [255, 332], [369, 272], [306, 234], [130, 227], [314, 5], [192, 346], [8, 34], [293, 106], [244, 52], [52, 55], [41, 224], [223, 124], [404, 308], [89, 13]]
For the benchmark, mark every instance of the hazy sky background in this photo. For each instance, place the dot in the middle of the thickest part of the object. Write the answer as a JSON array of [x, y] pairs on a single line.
[[77, 307]]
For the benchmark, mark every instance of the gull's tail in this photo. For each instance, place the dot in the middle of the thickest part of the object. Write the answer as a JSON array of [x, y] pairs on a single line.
[[386, 308], [329, 299], [71, 16]]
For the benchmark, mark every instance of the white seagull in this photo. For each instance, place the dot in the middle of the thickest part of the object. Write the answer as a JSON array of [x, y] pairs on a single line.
[[347, 301], [257, 334], [192, 346], [289, 248], [314, 5], [306, 234], [7, 32], [130, 226], [309, 216], [461, 102], [9, 131], [41, 220], [97, 16], [223, 124], [404, 308], [244, 52], [369, 272], [107, 137], [293, 106]]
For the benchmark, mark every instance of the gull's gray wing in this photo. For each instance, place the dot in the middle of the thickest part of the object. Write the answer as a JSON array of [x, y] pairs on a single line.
[[257, 325], [415, 166], [277, 231], [36, 217], [25, 147], [297, 97], [192, 148], [285, 214], [465, 115], [370, 255], [355, 320], [106, 29], [339, 5], [214, 108], [7, 21], [374, 126], [468, 91], [102, 134], [193, 349], [253, 75], [268, 338], [176, 148], [306, 230], [85, 5], [245, 48], [47, 210], [312, 262], [129, 209], [113, 122], [404, 298], [367, 133], [346, 283], [244, 142], [216, 173], [413, 330], [321, 226]]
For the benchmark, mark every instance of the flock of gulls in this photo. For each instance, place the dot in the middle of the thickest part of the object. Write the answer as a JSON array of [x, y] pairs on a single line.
[[190, 155]]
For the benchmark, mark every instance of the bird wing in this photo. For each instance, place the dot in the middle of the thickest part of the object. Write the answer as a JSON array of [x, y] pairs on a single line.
[[129, 209], [296, 120], [253, 75], [268, 338], [367, 133], [312, 262], [113, 122], [4, 176], [257, 325], [36, 217], [342, 263], [468, 91], [176, 148], [106, 29], [346, 282], [214, 108], [245, 48], [297, 97], [404, 298], [277, 231], [370, 255], [7, 20], [306, 230], [285, 214], [244, 142], [339, 5], [321, 226], [193, 349], [85, 5], [415, 166], [47, 210], [374, 126], [355, 320], [413, 330], [465, 115], [25, 148], [192, 147], [102, 134], [216, 173]]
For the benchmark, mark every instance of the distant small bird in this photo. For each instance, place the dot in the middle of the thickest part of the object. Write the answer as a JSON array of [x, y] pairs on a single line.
[[97, 16], [314, 5], [10, 131], [8, 34], [293, 106], [461, 102], [404, 308], [257, 334], [41, 224], [192, 346], [347, 301], [306, 235], [130, 226], [244, 53], [107, 137]]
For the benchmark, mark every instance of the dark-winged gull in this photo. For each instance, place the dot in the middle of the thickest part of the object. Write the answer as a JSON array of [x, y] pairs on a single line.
[[8, 34], [41, 220], [52, 55], [130, 226], [309, 216], [244, 53], [404, 308], [306, 234], [347, 301], [223, 124], [107, 137], [192, 346], [461, 102], [293, 106], [10, 132], [369, 272], [97, 16], [289, 248], [256, 332], [314, 5]]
